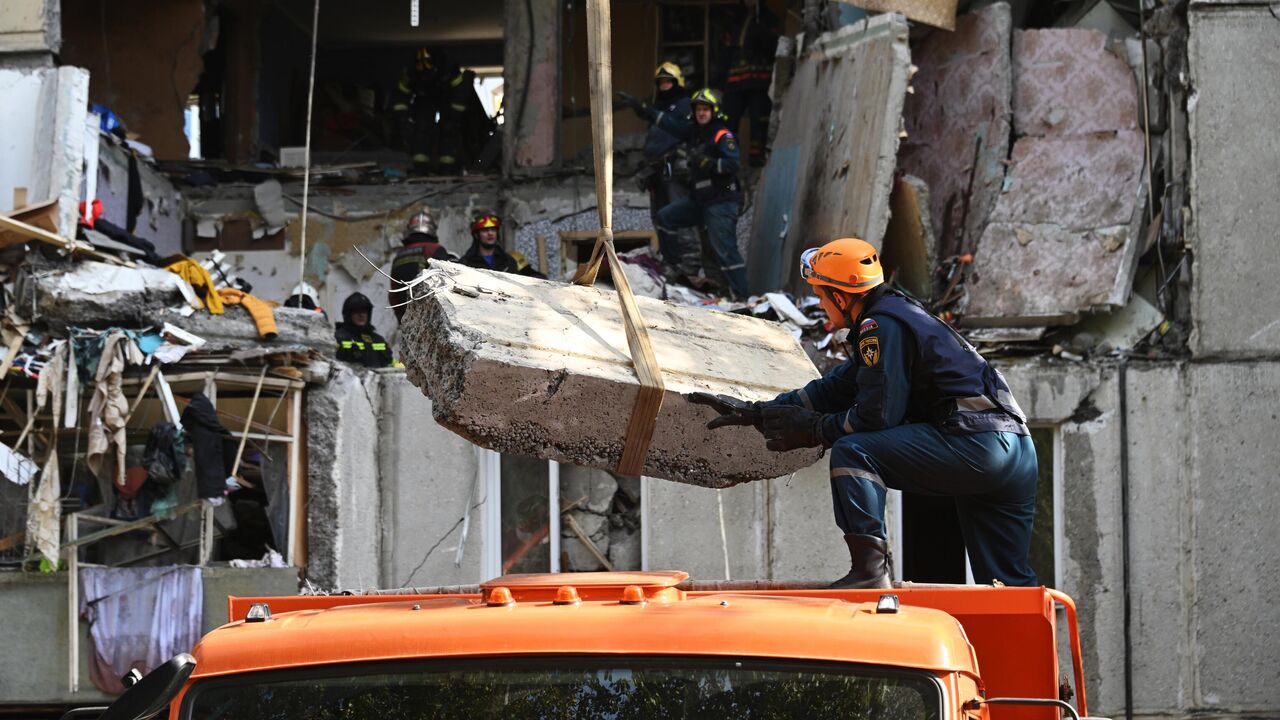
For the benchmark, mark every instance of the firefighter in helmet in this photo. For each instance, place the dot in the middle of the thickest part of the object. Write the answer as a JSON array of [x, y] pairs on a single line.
[[421, 246]]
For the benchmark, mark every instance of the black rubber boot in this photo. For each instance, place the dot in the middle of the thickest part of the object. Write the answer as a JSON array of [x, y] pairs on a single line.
[[869, 563]]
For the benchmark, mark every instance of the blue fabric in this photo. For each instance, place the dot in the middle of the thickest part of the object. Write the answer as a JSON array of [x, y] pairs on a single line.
[[488, 260], [991, 475], [721, 221]]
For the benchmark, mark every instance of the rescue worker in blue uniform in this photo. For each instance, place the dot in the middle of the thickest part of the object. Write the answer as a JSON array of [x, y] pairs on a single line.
[[715, 194], [915, 408], [358, 342], [664, 174], [421, 246]]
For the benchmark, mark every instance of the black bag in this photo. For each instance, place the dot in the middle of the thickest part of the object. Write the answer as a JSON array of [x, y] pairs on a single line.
[[165, 458]]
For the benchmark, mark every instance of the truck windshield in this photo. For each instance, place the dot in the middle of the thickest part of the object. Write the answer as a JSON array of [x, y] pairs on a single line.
[[530, 688]]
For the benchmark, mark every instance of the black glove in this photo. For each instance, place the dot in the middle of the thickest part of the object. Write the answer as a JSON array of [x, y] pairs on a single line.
[[787, 427], [639, 107], [700, 162], [732, 410]]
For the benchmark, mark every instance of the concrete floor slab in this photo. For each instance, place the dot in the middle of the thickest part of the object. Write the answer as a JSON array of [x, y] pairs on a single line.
[[541, 368]]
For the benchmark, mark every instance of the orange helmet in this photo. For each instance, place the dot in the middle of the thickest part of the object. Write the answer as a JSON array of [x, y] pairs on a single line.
[[849, 265]]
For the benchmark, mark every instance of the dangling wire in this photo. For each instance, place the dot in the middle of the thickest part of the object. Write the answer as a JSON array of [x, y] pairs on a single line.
[[306, 163]]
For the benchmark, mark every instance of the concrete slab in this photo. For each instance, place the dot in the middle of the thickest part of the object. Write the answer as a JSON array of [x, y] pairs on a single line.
[[426, 482], [540, 368], [843, 110], [1063, 240], [1067, 82], [1069, 212], [805, 543], [1233, 179], [30, 26], [1236, 564], [93, 293], [960, 109]]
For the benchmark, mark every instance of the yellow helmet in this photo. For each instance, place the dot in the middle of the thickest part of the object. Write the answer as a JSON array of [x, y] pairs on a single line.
[[670, 71], [706, 96]]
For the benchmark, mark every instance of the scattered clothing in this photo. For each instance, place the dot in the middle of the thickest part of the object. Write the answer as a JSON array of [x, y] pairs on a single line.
[[139, 618], [198, 277], [44, 514], [200, 420], [260, 310]]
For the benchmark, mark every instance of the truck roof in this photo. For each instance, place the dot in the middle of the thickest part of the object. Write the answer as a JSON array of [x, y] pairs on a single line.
[[1010, 632]]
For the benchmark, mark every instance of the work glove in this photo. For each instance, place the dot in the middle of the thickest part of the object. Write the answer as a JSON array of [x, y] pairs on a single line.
[[639, 107], [787, 427], [700, 162], [732, 410]]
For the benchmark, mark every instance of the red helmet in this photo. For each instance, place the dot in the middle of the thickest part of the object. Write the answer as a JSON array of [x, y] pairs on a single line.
[[485, 221]]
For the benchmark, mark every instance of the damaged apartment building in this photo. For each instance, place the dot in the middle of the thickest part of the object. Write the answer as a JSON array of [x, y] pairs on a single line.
[[1086, 189]]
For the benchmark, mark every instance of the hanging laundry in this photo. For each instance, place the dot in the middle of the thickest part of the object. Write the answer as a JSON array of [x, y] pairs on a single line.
[[139, 618], [260, 310], [200, 420], [109, 409], [44, 514]]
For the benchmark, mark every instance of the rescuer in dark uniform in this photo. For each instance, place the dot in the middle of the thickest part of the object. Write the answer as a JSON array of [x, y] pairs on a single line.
[[915, 408], [665, 175], [440, 117], [747, 51], [486, 252], [715, 195], [358, 343], [420, 247]]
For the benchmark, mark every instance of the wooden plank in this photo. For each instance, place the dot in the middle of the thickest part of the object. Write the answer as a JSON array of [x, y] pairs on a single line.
[[591, 547], [130, 526], [244, 437], [20, 197]]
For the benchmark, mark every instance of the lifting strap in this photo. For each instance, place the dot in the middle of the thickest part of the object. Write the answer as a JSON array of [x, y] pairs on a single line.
[[644, 416]]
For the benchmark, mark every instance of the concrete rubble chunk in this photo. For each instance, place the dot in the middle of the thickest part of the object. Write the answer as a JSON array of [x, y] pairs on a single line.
[[540, 368], [597, 486], [94, 293], [833, 160]]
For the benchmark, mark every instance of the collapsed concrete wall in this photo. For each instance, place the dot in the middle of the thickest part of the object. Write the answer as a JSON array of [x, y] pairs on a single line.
[[344, 509], [532, 64], [42, 138]]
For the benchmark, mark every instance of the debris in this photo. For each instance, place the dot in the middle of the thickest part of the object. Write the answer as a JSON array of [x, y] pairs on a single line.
[[539, 368], [910, 252], [15, 466], [962, 102], [782, 305], [831, 169], [938, 13], [1072, 214], [90, 293]]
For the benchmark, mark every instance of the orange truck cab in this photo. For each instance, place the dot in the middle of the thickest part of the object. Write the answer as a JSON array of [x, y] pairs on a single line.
[[638, 645]]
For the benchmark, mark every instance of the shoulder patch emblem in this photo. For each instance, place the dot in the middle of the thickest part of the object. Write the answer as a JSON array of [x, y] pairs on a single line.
[[869, 349], [867, 326]]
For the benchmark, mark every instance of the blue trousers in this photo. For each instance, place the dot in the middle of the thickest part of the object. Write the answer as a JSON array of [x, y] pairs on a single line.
[[721, 221], [991, 475]]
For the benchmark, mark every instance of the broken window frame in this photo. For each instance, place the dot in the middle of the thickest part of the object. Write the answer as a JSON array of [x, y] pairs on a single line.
[[490, 469]]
